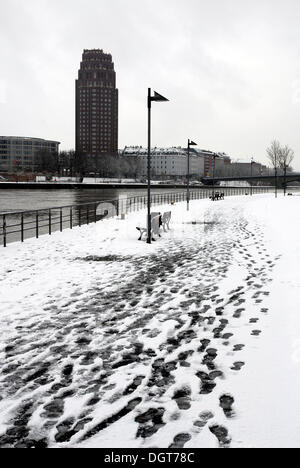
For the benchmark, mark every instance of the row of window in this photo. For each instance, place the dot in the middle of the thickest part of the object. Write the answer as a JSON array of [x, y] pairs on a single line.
[[93, 92], [101, 126], [103, 109], [104, 96], [95, 97], [26, 158], [27, 144], [94, 84]]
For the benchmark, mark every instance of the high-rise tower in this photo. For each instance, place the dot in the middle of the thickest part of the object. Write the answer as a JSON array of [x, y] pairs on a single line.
[[96, 104]]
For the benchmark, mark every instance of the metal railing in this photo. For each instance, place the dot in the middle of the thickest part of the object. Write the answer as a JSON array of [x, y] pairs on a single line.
[[18, 226]]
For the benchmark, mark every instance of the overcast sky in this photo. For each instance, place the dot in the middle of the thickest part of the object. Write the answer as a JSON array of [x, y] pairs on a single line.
[[230, 68]]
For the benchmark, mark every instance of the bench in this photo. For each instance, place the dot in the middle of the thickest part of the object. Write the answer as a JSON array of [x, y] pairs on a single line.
[[154, 226], [166, 218], [217, 196], [157, 220]]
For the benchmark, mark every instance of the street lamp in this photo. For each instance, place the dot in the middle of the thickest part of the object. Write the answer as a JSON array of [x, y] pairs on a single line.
[[276, 174], [156, 97], [214, 159], [190, 143], [252, 162]]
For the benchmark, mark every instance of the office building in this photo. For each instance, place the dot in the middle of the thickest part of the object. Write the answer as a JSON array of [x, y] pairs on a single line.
[[20, 153], [96, 104]]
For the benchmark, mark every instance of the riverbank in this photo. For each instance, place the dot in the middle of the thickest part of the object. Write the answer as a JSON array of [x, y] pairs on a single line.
[[190, 341]]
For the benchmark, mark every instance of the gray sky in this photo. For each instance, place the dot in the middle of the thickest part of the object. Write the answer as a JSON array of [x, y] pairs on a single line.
[[230, 68]]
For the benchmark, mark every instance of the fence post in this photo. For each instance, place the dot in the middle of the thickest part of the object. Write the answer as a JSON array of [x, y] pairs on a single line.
[[4, 230], [37, 225], [50, 230], [22, 227], [61, 220], [87, 215], [71, 218]]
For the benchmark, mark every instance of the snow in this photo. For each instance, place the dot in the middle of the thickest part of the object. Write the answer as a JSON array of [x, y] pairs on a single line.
[[102, 340]]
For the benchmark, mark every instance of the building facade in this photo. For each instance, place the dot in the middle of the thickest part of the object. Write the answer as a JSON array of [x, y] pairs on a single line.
[[167, 162], [242, 169], [96, 104], [19, 153], [213, 161]]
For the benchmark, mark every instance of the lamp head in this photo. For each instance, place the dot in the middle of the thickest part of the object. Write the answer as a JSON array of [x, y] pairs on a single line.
[[158, 97]]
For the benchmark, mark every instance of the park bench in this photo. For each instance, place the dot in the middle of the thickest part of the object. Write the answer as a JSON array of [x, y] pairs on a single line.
[[166, 218], [217, 196], [157, 220]]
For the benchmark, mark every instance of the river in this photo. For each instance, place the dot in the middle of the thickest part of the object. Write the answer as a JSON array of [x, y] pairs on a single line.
[[22, 200]]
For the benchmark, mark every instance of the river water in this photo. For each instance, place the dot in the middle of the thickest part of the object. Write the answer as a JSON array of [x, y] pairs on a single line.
[[22, 200]]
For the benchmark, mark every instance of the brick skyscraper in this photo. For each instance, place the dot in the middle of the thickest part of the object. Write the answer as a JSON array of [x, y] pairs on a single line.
[[96, 104]]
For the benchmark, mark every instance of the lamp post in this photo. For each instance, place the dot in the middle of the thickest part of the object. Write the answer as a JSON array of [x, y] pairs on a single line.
[[156, 97], [275, 174], [190, 143], [214, 165], [251, 190]]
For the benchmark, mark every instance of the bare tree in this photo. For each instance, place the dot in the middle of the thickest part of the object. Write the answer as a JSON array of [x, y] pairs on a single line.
[[46, 161], [285, 158], [274, 152]]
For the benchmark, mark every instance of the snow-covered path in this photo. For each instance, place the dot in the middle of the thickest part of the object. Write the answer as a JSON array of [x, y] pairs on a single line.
[[110, 342]]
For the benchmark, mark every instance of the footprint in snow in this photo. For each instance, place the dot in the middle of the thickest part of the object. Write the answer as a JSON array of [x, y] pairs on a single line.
[[237, 366], [226, 402], [180, 440], [183, 398], [221, 433]]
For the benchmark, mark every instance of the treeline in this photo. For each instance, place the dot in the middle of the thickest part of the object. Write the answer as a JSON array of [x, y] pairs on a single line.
[[73, 163]]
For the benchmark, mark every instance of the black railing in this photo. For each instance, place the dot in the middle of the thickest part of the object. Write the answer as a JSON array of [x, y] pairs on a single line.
[[18, 226]]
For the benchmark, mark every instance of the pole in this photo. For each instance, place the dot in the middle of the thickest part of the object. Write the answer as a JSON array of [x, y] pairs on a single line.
[[149, 170], [188, 178], [22, 227], [60, 220], [214, 162], [251, 178], [275, 176], [4, 230]]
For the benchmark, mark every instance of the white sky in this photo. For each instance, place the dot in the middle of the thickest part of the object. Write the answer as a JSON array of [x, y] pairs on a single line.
[[230, 68]]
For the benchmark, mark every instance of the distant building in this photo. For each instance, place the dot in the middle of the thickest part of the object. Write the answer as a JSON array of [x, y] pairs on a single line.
[[18, 153], [96, 104], [213, 159], [167, 162], [241, 169]]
